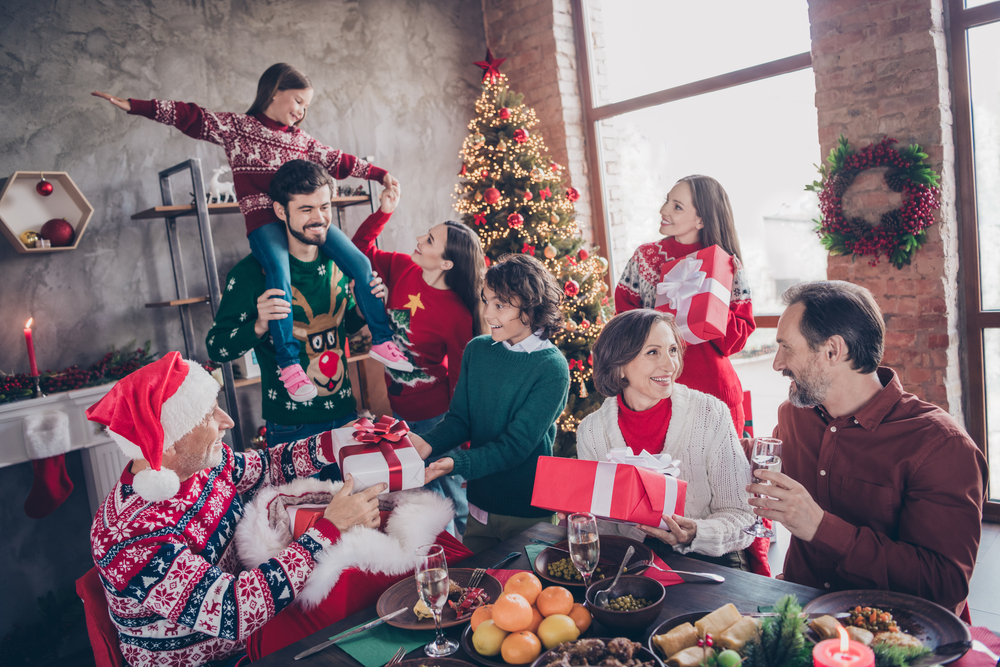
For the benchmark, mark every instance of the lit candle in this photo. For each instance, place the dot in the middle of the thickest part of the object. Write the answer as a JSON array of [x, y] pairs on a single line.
[[842, 653], [31, 347]]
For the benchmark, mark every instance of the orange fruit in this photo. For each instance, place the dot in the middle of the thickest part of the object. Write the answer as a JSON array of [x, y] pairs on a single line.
[[481, 614], [536, 620], [520, 648], [554, 600], [581, 616], [526, 584], [511, 612]]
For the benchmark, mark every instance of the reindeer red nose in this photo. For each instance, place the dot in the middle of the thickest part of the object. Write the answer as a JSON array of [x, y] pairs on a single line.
[[328, 363]]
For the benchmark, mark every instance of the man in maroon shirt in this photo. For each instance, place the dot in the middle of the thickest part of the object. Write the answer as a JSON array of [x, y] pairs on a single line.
[[879, 489]]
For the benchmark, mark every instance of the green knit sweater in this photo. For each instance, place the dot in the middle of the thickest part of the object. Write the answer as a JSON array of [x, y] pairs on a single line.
[[506, 403], [323, 313]]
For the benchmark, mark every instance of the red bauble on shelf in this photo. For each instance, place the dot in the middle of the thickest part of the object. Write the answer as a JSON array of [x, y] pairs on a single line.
[[43, 187], [58, 232]]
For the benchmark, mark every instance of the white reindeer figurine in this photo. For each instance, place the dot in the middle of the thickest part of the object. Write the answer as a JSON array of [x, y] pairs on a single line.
[[219, 191]]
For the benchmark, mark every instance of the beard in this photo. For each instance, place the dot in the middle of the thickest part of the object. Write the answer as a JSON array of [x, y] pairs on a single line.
[[209, 459], [808, 391], [310, 240]]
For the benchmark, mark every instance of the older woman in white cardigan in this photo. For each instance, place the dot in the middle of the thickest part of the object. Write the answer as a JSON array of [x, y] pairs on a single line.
[[637, 357]]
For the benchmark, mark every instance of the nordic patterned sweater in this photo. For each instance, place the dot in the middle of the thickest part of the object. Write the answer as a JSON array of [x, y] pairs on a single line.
[[706, 365], [506, 403], [173, 581], [256, 147], [431, 326], [323, 313]]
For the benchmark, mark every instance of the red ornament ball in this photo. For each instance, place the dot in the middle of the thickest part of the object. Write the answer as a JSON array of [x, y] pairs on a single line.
[[520, 136], [492, 195], [585, 324], [487, 261], [528, 196], [572, 194], [515, 220], [43, 187], [571, 288], [504, 113], [584, 254], [59, 232]]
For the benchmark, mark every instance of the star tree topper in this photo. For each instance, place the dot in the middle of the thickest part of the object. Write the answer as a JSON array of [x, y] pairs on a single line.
[[490, 67]]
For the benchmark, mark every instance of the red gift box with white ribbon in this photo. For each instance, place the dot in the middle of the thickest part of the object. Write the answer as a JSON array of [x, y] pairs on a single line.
[[607, 490], [379, 452], [696, 289]]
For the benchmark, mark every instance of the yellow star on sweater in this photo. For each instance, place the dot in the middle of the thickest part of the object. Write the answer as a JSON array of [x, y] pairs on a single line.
[[414, 303]]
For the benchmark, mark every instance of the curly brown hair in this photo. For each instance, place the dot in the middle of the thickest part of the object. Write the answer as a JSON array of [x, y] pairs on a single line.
[[524, 282]]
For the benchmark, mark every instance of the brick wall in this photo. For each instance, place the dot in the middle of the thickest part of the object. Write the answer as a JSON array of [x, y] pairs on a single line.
[[881, 69], [536, 36]]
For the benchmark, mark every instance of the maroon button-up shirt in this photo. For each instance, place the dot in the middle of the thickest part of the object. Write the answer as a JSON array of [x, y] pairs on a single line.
[[902, 485]]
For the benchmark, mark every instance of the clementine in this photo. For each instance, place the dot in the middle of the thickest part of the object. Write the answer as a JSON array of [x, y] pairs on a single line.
[[511, 612], [536, 620], [481, 614], [554, 600], [520, 648], [580, 615], [526, 584]]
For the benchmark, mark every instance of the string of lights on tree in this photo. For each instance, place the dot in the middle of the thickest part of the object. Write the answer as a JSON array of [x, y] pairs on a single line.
[[516, 199]]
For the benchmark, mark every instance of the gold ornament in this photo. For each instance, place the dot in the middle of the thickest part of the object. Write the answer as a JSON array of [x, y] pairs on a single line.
[[570, 325], [602, 287], [536, 174], [550, 251], [603, 262], [29, 238], [479, 196], [554, 219], [477, 141], [501, 146]]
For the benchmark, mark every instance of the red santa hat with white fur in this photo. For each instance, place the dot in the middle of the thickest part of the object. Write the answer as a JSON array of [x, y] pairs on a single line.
[[149, 410]]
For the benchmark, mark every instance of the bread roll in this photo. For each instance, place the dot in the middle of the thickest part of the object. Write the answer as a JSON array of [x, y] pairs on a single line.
[[825, 627], [860, 635], [738, 634], [675, 641], [689, 657], [718, 621]]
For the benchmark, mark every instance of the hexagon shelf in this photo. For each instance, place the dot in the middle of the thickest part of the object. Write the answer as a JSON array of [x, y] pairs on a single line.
[[22, 209]]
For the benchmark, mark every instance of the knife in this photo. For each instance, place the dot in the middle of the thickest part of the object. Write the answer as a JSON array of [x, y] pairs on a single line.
[[509, 557], [366, 626]]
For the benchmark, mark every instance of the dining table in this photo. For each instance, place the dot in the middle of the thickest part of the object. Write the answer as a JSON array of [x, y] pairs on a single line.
[[746, 590]]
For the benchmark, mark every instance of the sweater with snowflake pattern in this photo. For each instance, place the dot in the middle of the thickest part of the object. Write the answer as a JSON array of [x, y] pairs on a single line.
[[175, 587], [323, 313], [431, 326], [256, 147], [706, 365]]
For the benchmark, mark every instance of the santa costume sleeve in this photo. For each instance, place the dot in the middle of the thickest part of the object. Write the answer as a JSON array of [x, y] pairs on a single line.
[[190, 119]]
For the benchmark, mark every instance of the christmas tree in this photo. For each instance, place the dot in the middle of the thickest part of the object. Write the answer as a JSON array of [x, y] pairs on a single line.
[[515, 198]]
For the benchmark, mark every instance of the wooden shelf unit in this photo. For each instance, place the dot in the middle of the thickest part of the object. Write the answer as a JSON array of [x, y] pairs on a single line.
[[180, 302], [160, 212]]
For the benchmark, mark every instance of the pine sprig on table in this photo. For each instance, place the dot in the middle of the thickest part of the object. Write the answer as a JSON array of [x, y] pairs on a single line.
[[897, 656], [782, 641]]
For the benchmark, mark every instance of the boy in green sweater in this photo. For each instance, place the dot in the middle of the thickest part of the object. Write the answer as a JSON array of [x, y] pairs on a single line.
[[513, 386]]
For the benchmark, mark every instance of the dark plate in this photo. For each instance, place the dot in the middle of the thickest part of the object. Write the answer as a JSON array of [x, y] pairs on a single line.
[[642, 654], [613, 548], [434, 662], [466, 642], [932, 624], [670, 624], [404, 594]]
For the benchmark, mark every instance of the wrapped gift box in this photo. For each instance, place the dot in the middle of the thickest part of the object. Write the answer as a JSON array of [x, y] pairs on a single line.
[[696, 289], [303, 517], [379, 452], [607, 490]]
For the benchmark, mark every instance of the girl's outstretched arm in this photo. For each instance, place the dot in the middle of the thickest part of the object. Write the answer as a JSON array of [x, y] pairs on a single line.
[[122, 104]]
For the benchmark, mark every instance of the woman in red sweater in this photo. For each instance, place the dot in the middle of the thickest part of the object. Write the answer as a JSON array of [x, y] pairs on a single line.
[[433, 308], [697, 214]]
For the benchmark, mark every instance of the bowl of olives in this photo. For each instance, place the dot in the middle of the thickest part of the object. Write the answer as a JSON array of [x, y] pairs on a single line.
[[634, 605]]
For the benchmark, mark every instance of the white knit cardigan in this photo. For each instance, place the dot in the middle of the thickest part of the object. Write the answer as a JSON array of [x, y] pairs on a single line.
[[713, 464]]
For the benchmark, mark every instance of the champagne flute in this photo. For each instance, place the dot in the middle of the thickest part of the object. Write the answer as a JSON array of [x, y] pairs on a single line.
[[432, 586], [584, 544], [766, 456]]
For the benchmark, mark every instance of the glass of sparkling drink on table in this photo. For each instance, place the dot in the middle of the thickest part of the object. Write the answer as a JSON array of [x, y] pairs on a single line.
[[766, 456], [584, 544], [432, 586]]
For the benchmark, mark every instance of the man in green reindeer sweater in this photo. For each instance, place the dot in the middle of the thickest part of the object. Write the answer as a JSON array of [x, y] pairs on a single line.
[[321, 306]]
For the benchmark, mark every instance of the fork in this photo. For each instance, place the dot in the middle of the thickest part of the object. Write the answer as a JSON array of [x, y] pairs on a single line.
[[397, 658], [476, 577]]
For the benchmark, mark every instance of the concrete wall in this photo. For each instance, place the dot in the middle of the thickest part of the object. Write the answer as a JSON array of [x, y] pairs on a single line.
[[394, 79]]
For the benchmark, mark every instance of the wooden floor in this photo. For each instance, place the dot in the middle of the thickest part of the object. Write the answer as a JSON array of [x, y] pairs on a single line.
[[984, 590]]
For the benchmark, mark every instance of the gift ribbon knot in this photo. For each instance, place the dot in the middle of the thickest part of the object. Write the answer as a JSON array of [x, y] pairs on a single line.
[[384, 436], [682, 282]]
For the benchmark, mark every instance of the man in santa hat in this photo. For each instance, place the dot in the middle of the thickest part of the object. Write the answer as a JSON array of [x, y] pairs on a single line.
[[161, 539]]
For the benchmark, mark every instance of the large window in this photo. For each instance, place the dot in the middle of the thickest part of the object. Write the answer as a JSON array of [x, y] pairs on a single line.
[[975, 50], [722, 89]]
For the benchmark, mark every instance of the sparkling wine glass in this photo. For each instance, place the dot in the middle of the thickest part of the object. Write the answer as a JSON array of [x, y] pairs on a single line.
[[432, 586], [584, 544], [766, 456]]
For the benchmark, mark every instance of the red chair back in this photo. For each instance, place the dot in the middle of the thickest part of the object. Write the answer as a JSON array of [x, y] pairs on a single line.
[[103, 633]]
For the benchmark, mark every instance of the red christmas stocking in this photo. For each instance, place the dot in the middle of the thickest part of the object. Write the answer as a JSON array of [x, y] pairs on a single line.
[[51, 487]]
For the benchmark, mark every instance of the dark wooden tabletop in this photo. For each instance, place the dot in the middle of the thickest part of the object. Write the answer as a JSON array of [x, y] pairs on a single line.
[[747, 591]]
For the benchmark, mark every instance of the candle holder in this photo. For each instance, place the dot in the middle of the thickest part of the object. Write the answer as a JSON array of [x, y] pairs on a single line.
[[37, 391]]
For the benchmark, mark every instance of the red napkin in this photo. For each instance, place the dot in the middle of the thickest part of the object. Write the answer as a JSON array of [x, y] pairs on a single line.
[[975, 658], [503, 575], [664, 578]]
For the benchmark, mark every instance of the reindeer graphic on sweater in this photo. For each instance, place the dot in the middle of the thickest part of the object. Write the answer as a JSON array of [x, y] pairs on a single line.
[[322, 341]]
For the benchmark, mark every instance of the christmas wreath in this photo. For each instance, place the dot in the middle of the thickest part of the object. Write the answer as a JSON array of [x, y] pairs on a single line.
[[900, 232]]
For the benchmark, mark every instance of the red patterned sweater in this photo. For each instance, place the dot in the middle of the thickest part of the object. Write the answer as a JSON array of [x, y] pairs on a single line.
[[706, 366], [173, 581], [431, 326], [256, 147]]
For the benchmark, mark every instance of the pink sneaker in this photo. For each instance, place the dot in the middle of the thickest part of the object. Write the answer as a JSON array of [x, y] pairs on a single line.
[[390, 356], [300, 388]]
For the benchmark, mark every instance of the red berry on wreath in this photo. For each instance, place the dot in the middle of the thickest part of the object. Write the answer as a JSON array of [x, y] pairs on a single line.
[[492, 195], [520, 136], [43, 187], [515, 220], [504, 113], [571, 288]]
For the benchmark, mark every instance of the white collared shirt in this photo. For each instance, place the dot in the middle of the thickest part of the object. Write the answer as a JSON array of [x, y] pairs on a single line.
[[532, 343]]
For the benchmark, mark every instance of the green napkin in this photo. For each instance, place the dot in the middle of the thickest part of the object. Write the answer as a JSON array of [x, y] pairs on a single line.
[[375, 647], [532, 551]]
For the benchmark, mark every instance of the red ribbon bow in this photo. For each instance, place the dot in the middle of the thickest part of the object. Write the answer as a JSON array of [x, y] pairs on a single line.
[[385, 436], [576, 363]]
